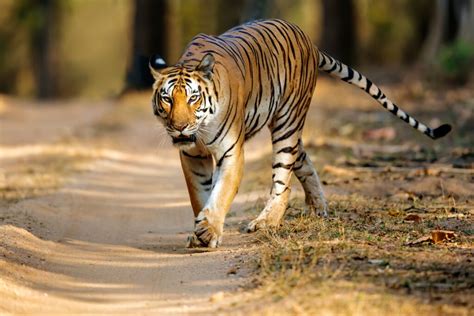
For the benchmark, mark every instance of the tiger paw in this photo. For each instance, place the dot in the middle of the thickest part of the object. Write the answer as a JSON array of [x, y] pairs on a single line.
[[312, 210], [270, 217], [206, 234], [260, 223], [193, 242], [253, 226]]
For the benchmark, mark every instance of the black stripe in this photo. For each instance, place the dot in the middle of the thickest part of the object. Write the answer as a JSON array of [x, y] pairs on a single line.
[[288, 149], [367, 87], [207, 182], [332, 68], [286, 189], [282, 165], [221, 160], [350, 75], [198, 174], [194, 156], [322, 61]]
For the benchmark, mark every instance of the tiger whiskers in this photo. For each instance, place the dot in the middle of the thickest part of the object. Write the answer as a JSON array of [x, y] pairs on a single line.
[[162, 136]]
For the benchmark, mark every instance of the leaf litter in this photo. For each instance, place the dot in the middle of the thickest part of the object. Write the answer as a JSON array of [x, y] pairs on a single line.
[[399, 239]]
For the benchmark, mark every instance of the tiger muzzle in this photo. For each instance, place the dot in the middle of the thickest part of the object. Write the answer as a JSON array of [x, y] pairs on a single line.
[[184, 139]]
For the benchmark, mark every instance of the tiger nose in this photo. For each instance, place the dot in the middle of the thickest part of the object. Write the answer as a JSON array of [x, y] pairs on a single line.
[[179, 126]]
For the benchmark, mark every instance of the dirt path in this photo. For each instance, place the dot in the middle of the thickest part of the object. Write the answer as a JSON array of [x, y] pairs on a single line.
[[94, 214], [112, 239]]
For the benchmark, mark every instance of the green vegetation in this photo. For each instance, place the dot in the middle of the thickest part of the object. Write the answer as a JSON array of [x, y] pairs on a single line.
[[456, 61]]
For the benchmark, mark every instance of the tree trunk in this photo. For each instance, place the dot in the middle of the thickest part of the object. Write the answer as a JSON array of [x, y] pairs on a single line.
[[44, 52], [339, 34], [230, 14], [149, 38], [452, 20], [254, 10], [466, 23]]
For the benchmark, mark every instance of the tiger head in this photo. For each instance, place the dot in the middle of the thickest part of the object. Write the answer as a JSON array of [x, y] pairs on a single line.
[[182, 99]]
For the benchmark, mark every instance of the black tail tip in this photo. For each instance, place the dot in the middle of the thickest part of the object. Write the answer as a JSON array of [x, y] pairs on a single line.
[[441, 131]]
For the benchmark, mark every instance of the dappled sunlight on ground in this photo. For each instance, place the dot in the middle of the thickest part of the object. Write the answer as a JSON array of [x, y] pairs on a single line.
[[95, 214], [108, 234]]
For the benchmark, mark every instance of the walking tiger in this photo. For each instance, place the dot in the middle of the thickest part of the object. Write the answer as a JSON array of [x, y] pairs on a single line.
[[226, 88]]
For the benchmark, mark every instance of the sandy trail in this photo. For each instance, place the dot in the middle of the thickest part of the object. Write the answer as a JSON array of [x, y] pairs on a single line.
[[112, 240]]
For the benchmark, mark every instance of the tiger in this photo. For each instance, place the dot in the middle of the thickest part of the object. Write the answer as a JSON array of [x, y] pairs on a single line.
[[226, 88]]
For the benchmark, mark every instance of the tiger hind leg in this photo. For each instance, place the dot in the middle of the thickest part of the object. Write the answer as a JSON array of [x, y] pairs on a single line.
[[308, 177]]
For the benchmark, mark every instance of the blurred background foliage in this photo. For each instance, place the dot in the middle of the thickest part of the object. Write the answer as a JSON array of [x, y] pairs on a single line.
[[92, 48]]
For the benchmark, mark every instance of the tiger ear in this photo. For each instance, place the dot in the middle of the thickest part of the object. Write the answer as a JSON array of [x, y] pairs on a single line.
[[206, 66], [156, 63]]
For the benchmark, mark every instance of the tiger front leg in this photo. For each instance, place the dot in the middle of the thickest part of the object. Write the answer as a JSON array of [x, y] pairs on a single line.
[[198, 167], [209, 223]]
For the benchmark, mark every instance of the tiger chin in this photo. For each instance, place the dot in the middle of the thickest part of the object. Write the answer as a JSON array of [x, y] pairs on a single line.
[[226, 88]]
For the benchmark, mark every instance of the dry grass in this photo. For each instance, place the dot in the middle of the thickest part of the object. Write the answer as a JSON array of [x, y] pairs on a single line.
[[358, 261]]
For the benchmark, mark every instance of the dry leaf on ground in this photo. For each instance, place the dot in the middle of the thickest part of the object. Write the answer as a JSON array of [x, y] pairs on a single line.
[[419, 241], [339, 171], [437, 236], [384, 133], [441, 235], [393, 213], [413, 218]]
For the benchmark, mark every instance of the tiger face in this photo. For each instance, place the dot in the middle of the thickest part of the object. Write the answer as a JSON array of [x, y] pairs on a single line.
[[182, 100]]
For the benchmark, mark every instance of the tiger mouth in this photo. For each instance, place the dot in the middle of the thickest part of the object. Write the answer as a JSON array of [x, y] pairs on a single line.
[[184, 139]]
